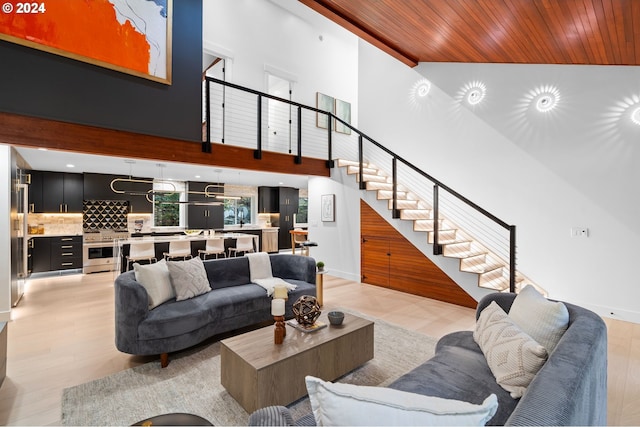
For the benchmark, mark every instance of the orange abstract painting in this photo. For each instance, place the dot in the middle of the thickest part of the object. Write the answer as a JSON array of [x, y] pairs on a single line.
[[131, 36]]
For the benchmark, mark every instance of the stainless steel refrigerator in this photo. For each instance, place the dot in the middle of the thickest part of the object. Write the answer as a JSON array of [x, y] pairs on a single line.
[[19, 236]]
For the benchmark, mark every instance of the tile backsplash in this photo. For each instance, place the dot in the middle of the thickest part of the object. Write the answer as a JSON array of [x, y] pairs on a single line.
[[104, 214], [57, 224]]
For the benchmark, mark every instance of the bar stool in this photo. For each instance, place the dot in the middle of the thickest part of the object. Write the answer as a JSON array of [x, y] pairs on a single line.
[[178, 249], [243, 244], [306, 245], [299, 239], [213, 247], [139, 251]]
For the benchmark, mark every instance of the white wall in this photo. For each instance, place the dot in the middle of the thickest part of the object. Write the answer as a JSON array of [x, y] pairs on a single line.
[[261, 35], [528, 188], [338, 241], [5, 230]]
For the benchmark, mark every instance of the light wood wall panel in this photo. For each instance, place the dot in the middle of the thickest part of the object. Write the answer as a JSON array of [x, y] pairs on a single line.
[[390, 260]]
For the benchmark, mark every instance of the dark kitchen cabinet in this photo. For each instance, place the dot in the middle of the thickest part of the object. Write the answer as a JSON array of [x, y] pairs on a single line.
[[40, 248], [288, 206], [282, 200], [97, 186], [55, 253], [53, 192], [66, 252], [35, 191], [204, 216], [268, 199]]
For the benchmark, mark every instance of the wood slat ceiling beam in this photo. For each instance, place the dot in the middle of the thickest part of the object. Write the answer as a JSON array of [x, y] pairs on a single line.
[[596, 32]]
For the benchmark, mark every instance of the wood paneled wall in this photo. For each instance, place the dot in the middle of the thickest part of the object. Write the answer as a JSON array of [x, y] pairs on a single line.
[[36, 132], [388, 259]]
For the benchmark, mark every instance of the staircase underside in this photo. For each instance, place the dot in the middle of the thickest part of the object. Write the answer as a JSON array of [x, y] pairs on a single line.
[[475, 258]]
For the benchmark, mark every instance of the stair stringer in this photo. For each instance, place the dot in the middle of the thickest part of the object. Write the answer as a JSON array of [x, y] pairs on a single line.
[[450, 266]]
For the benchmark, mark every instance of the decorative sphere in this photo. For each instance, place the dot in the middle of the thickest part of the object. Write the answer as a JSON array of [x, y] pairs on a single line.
[[306, 310]]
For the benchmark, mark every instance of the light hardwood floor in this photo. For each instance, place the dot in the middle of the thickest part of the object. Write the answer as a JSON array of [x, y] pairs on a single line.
[[62, 334]]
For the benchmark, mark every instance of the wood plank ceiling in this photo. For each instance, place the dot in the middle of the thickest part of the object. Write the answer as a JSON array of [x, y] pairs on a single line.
[[598, 32]]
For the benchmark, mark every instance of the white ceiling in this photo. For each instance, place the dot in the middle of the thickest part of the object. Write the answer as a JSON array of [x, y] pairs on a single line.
[[57, 161]]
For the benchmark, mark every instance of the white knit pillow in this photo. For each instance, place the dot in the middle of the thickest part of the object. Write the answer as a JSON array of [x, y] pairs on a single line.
[[347, 404], [513, 356], [543, 320], [189, 278], [155, 279]]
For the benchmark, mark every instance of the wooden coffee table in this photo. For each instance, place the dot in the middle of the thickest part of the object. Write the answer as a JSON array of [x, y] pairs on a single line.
[[259, 373]]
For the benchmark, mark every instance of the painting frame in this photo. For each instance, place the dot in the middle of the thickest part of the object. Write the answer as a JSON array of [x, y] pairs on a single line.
[[324, 103], [342, 111], [74, 46], [328, 207]]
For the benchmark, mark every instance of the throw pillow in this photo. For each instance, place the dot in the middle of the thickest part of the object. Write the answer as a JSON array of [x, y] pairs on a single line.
[[155, 279], [543, 320], [348, 404], [189, 278], [513, 356]]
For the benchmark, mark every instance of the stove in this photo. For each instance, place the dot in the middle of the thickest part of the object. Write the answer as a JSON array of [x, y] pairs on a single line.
[[99, 250], [104, 235]]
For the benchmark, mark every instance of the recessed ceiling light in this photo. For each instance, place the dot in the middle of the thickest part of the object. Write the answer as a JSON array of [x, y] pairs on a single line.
[[43, 149], [197, 176], [69, 165], [635, 116]]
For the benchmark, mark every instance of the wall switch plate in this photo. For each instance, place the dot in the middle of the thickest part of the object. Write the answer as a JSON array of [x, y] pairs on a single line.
[[579, 232]]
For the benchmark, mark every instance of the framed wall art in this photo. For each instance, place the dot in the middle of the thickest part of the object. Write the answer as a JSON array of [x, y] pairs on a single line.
[[343, 112], [327, 207], [324, 103], [129, 36]]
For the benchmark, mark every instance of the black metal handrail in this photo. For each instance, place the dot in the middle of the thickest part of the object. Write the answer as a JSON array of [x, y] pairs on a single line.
[[437, 184]]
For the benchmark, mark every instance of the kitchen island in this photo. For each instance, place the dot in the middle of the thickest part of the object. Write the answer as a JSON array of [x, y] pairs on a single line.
[[161, 244]]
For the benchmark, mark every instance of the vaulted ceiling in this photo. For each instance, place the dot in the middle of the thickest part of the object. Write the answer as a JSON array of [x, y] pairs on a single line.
[[597, 32]]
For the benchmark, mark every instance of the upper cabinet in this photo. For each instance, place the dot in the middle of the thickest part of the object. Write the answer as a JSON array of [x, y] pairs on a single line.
[[55, 192], [98, 187], [268, 199], [282, 200], [204, 216]]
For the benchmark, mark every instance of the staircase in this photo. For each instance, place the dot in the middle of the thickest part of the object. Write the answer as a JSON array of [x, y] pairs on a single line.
[[492, 271]]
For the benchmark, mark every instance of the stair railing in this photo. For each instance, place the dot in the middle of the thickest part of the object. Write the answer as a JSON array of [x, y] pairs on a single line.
[[234, 114]]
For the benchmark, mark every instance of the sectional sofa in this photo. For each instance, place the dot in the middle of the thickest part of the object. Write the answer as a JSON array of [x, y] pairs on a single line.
[[147, 327], [570, 387]]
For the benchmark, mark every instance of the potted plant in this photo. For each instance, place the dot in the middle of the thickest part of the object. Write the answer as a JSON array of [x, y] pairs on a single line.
[[320, 265]]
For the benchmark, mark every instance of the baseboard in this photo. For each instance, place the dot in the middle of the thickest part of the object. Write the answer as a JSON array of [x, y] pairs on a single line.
[[343, 275], [613, 313]]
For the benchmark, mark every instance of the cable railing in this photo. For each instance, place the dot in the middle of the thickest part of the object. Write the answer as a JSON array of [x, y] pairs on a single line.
[[248, 118]]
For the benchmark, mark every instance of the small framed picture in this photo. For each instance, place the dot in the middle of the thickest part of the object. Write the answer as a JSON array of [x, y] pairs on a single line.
[[328, 209], [324, 103]]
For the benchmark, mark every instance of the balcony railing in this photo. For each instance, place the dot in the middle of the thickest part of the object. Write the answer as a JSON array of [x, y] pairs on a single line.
[[249, 118]]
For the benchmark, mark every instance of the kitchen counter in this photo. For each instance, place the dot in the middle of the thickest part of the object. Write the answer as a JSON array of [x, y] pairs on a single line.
[[29, 236], [161, 244], [165, 239]]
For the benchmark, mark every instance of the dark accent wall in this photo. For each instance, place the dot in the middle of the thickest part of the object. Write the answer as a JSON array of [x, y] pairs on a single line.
[[41, 84]]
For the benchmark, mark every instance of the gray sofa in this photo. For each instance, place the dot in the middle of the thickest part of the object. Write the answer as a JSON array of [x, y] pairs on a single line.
[[570, 388], [234, 302]]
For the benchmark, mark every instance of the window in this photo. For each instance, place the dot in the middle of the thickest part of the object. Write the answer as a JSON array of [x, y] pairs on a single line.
[[237, 210], [168, 211], [300, 217]]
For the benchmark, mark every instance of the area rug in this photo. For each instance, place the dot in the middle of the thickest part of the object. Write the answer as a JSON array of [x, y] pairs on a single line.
[[191, 383]]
